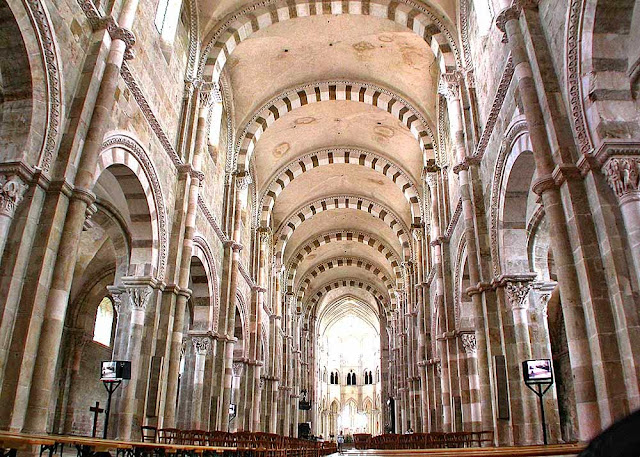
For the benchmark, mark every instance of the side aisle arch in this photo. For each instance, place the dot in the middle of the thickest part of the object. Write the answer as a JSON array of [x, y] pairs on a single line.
[[124, 150], [202, 251]]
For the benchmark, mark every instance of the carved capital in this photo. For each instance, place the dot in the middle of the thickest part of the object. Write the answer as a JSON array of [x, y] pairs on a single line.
[[201, 344], [543, 304], [438, 369], [623, 175], [12, 190], [264, 234], [237, 368], [116, 296], [417, 233], [542, 184], [79, 337], [432, 180], [517, 293], [506, 15], [469, 343], [513, 12], [138, 296], [190, 85], [469, 77], [210, 94], [243, 180], [449, 85]]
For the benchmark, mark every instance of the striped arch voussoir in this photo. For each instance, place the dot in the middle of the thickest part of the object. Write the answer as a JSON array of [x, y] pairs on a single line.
[[316, 296], [339, 156], [241, 24], [124, 150], [342, 262], [327, 91], [377, 210], [344, 235]]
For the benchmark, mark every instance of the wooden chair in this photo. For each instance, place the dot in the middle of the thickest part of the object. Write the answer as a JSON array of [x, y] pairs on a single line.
[[148, 433], [169, 436]]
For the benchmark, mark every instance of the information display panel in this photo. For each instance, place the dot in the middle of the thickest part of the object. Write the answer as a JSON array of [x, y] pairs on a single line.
[[537, 371]]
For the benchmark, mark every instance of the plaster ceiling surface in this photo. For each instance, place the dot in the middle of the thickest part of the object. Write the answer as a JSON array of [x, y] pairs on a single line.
[[342, 219], [344, 249], [212, 12], [341, 179], [333, 124], [354, 48]]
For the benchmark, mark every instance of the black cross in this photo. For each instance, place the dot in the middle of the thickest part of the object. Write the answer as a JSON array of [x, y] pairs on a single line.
[[95, 410]]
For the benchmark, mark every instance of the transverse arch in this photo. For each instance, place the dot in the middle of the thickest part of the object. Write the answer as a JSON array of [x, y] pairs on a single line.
[[317, 92], [240, 25], [288, 227], [329, 156]]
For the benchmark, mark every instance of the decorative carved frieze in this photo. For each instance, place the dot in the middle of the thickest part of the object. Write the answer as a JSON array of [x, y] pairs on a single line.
[[469, 343], [12, 189], [623, 175]]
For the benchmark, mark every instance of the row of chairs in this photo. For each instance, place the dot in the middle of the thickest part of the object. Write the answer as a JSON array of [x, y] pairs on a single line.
[[434, 440], [247, 443]]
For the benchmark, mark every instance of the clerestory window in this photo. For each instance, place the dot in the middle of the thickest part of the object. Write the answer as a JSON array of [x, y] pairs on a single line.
[[167, 17]]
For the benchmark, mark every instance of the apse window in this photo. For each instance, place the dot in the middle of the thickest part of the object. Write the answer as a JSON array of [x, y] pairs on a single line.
[[167, 16], [484, 15], [104, 322]]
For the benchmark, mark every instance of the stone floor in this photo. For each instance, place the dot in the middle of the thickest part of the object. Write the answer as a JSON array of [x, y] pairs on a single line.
[[529, 451]]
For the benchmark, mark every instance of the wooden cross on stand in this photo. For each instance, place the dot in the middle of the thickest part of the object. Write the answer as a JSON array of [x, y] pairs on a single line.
[[95, 410]]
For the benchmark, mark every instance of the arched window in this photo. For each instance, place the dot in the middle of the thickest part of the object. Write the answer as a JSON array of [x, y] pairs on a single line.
[[348, 379], [104, 322], [215, 128], [484, 15], [167, 17], [332, 378], [353, 379]]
